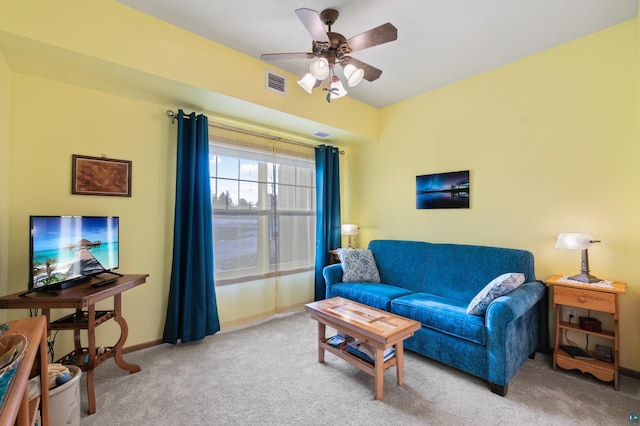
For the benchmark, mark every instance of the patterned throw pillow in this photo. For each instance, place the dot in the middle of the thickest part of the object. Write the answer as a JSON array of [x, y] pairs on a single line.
[[500, 286], [358, 266]]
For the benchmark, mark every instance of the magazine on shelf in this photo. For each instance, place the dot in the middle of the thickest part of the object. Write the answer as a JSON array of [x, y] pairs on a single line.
[[576, 352], [367, 352], [335, 341]]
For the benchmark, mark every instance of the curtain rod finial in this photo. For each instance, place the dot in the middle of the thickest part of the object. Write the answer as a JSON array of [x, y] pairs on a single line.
[[172, 115]]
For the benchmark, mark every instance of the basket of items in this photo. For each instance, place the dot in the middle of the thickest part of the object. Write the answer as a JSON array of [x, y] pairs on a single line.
[[12, 350]]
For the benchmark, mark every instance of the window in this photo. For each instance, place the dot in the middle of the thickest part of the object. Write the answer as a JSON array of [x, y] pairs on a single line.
[[263, 200]]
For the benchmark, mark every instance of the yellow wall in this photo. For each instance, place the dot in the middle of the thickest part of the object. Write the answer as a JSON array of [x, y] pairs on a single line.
[[552, 145]]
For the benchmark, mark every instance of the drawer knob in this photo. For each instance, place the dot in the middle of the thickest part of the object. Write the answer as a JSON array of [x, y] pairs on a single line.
[[582, 299]]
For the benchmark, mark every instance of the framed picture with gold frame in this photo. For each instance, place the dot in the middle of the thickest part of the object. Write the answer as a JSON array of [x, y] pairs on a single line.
[[100, 176]]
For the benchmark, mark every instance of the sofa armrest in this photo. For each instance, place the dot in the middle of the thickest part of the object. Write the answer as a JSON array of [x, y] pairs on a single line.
[[513, 305], [332, 275], [512, 330]]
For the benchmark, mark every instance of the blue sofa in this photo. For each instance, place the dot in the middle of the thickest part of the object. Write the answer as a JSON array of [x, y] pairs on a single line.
[[434, 283]]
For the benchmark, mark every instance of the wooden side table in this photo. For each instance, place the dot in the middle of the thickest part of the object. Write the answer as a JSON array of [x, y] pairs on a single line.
[[590, 297]]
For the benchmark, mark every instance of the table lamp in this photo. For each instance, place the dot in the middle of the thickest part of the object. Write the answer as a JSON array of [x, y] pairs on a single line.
[[579, 241], [349, 229]]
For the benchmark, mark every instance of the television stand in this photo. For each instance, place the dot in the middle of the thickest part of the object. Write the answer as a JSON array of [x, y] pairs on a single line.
[[83, 298]]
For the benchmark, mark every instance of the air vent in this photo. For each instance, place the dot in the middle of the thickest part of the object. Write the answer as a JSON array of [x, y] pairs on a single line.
[[276, 83], [322, 135]]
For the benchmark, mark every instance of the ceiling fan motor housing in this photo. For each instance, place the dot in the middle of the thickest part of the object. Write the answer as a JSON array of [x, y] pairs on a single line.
[[336, 48]]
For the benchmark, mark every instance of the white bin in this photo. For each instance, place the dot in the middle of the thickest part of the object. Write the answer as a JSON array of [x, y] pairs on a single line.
[[64, 400]]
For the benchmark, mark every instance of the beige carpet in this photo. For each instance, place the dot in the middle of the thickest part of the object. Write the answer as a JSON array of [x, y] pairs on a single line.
[[268, 374]]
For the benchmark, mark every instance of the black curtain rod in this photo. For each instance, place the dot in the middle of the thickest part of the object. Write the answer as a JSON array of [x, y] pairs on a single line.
[[174, 116]]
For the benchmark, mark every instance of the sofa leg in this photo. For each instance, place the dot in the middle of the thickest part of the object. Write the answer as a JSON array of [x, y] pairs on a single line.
[[498, 389], [533, 355]]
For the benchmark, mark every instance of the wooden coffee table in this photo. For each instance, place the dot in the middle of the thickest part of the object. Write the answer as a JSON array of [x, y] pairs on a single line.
[[378, 328]]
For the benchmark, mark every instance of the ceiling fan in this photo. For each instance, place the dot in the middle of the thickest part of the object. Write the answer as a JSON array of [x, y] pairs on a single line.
[[329, 49]]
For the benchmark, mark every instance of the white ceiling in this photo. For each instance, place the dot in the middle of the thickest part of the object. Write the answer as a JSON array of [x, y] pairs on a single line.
[[439, 41]]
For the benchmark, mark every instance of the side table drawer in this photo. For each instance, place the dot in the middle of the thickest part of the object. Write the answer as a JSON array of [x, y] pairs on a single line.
[[585, 299]]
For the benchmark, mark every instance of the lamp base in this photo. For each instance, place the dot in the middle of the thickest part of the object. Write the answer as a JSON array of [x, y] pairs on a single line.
[[585, 278]]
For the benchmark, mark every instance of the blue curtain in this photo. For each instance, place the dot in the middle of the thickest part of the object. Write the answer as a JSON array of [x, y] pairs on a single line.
[[192, 312], [327, 211]]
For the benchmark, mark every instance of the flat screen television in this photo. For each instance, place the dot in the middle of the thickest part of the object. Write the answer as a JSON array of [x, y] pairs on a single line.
[[67, 250]]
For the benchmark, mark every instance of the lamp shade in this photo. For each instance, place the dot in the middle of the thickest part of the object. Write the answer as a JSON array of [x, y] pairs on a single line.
[[319, 68], [337, 89], [308, 82], [349, 229], [353, 74], [574, 240]]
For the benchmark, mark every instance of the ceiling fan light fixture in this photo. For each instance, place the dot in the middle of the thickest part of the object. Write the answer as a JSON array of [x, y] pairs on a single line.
[[353, 74], [308, 82], [319, 68]]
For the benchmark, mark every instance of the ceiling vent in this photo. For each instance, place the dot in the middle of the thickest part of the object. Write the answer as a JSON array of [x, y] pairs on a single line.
[[276, 83], [321, 134]]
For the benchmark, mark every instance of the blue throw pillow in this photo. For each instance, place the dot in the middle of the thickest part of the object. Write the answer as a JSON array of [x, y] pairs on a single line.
[[358, 266], [500, 286]]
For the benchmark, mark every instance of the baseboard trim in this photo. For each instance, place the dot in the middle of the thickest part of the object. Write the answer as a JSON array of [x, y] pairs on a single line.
[[629, 372], [140, 346]]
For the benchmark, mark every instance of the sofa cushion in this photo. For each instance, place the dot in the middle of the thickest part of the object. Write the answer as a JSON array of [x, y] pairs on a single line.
[[371, 294], [441, 314], [401, 263], [499, 286], [358, 266], [459, 272]]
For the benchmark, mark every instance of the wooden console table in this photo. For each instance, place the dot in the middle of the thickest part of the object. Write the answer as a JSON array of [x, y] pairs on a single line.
[[16, 408], [83, 298]]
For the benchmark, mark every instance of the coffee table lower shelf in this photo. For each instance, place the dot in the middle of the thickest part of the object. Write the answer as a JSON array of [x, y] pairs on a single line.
[[363, 365]]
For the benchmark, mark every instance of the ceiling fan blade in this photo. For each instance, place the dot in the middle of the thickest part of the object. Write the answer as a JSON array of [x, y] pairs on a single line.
[[371, 73], [280, 56], [379, 35], [312, 22]]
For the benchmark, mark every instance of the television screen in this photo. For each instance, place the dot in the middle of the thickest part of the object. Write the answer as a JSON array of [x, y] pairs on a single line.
[[64, 250]]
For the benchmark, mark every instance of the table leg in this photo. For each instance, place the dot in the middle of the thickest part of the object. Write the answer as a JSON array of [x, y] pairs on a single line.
[[91, 362], [558, 336], [77, 343], [379, 373], [22, 419], [124, 332], [322, 329], [91, 392], [44, 365], [400, 363]]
